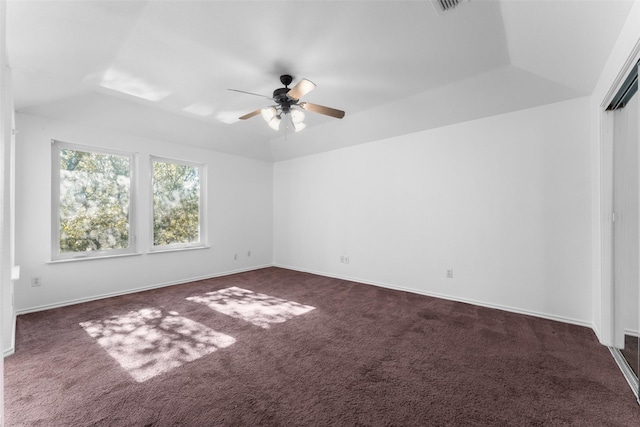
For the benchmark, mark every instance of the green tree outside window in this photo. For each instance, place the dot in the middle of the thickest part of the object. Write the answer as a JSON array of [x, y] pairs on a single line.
[[176, 203], [94, 201]]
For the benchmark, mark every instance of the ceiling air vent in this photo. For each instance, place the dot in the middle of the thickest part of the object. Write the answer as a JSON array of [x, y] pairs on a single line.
[[446, 5]]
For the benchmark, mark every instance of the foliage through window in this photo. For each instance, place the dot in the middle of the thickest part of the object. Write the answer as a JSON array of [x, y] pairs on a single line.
[[92, 202], [177, 204]]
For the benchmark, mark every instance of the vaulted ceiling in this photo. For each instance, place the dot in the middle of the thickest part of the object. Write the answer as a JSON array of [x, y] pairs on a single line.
[[395, 67]]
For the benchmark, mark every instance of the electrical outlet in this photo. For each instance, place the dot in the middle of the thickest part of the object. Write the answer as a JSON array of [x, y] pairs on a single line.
[[248, 253], [235, 257], [36, 281], [346, 260], [450, 273]]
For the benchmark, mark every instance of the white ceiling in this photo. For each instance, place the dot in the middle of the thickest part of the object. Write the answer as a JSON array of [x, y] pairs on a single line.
[[394, 66]]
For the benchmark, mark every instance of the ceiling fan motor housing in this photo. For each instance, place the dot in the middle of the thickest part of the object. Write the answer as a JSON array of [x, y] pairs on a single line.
[[281, 98]]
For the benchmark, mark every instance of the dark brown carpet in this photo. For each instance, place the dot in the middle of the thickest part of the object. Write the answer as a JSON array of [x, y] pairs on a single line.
[[306, 350]]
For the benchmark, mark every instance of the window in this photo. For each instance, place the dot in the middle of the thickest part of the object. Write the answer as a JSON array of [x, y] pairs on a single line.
[[92, 202], [178, 204]]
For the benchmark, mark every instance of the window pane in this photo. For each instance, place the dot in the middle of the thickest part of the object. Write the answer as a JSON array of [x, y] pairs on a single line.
[[94, 201], [176, 204]]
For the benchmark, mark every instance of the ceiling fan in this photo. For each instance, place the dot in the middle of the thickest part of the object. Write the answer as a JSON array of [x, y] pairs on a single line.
[[287, 104]]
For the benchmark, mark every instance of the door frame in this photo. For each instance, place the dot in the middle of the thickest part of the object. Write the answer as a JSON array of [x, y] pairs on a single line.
[[612, 321], [609, 298]]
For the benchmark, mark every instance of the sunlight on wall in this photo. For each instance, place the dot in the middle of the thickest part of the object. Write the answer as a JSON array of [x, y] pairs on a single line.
[[258, 309], [151, 341]]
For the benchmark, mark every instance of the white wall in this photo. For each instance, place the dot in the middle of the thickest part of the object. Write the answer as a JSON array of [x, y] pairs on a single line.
[[504, 201], [239, 219]]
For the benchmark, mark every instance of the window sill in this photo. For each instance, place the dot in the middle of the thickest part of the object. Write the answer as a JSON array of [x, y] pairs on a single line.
[[190, 248], [151, 252], [91, 258]]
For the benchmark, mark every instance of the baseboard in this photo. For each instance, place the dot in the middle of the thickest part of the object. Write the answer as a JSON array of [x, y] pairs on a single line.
[[12, 349], [516, 310], [632, 333], [596, 330], [320, 273], [133, 291]]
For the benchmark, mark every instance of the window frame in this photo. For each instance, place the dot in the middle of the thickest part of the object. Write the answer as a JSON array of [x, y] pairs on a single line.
[[202, 207], [56, 254]]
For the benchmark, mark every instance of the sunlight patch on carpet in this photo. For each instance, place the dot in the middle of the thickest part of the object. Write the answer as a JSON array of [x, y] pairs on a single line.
[[258, 309], [151, 341]]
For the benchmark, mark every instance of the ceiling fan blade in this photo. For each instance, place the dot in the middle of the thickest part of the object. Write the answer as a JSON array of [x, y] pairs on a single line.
[[250, 93], [251, 114], [301, 88], [327, 111]]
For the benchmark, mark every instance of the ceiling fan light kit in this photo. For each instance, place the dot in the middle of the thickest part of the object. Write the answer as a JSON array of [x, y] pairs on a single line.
[[268, 113], [287, 104], [274, 123], [299, 126], [297, 116]]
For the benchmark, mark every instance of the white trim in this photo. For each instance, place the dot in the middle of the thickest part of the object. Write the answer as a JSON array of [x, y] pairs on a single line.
[[92, 258], [12, 349], [178, 249], [632, 332], [596, 330], [533, 313], [135, 290], [562, 319], [606, 226]]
